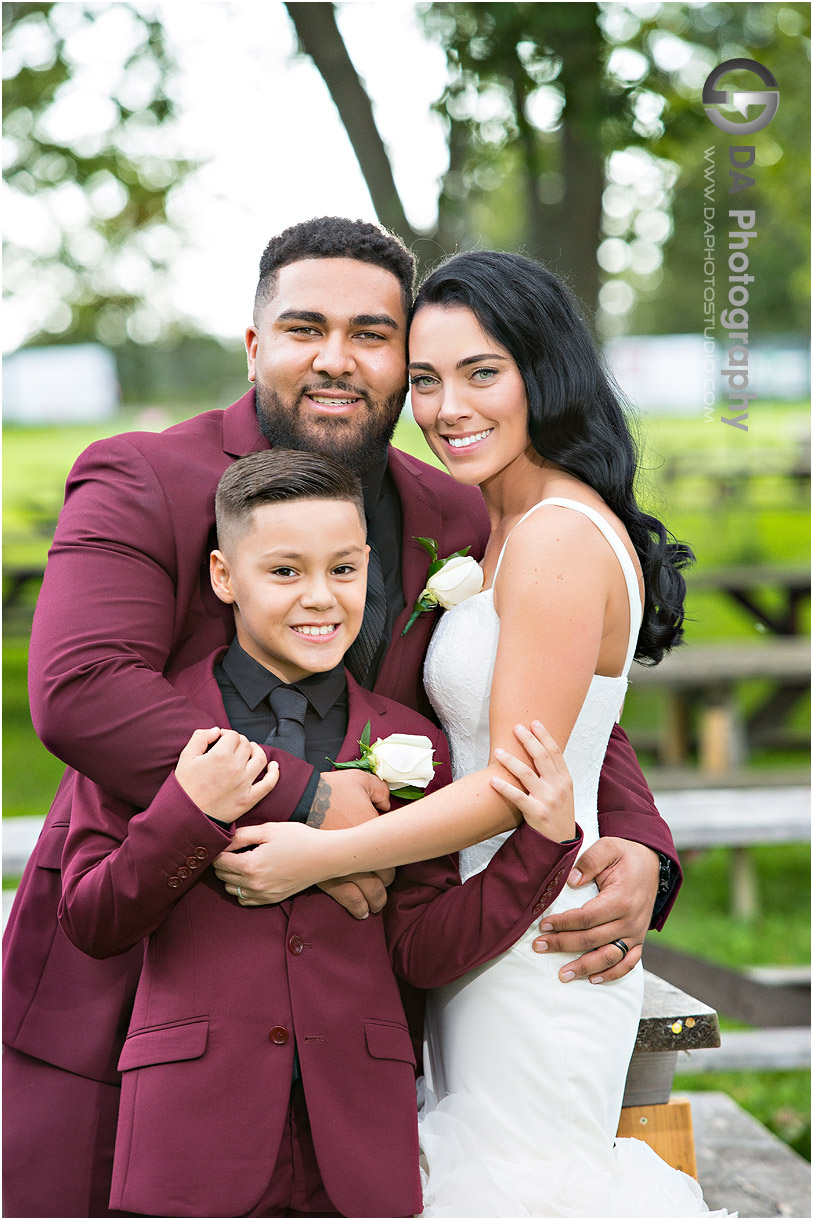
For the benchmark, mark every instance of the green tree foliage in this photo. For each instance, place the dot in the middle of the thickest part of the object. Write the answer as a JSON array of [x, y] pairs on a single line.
[[577, 129], [678, 44], [525, 105], [87, 229]]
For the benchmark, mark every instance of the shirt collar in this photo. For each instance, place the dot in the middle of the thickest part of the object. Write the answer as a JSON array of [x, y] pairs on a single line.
[[253, 682]]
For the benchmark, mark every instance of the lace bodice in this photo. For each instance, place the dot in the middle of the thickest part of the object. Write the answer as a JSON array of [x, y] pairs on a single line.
[[457, 675]]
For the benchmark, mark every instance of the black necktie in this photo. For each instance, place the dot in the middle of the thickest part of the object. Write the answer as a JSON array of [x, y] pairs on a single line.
[[359, 655], [289, 706]]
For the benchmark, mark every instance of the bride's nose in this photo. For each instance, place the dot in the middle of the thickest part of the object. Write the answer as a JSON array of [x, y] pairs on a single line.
[[454, 407]]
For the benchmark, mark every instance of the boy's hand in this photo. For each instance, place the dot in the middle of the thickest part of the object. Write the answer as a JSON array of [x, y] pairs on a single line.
[[546, 798], [226, 780]]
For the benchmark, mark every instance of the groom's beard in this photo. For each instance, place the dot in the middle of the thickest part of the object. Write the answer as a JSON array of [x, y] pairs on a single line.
[[359, 441]]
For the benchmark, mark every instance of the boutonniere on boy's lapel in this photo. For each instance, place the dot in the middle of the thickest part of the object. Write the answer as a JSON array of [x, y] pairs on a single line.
[[449, 581], [402, 760]]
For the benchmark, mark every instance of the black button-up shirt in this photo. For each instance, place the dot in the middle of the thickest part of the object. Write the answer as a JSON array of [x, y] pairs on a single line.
[[385, 523], [245, 685]]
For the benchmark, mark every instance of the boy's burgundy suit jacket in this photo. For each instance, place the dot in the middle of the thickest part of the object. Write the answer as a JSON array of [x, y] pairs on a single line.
[[206, 1066], [126, 597]]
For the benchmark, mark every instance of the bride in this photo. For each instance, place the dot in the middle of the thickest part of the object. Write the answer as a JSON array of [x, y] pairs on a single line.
[[525, 1074]]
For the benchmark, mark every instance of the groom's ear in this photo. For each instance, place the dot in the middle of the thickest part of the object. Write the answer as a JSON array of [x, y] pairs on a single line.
[[251, 350], [220, 576]]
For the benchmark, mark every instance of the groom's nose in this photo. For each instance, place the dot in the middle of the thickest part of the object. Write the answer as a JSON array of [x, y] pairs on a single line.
[[334, 357]]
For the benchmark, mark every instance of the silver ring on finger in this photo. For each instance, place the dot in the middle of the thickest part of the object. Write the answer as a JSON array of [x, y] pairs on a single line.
[[240, 898], [623, 946]]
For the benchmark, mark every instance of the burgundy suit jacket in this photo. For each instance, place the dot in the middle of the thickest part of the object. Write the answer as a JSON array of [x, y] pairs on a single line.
[[126, 597], [206, 1066]]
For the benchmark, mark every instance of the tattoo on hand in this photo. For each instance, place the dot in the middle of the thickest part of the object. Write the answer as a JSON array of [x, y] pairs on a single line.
[[320, 805]]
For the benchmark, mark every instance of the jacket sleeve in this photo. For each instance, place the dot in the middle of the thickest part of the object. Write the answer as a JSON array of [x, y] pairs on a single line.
[[123, 870], [626, 810], [105, 627], [439, 928]]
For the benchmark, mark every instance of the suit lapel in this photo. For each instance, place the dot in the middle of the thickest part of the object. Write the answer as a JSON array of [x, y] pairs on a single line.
[[422, 518], [241, 432], [362, 705]]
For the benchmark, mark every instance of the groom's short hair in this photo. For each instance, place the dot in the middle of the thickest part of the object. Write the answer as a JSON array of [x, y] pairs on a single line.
[[274, 476], [336, 237]]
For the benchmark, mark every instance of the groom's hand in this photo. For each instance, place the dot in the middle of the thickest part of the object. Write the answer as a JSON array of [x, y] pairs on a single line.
[[347, 798], [627, 876], [362, 893]]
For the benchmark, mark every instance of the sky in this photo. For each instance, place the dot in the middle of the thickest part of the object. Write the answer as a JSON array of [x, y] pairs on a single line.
[[279, 152], [260, 119]]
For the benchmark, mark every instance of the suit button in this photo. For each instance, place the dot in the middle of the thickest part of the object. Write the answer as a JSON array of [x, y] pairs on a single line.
[[202, 853], [278, 1035], [183, 871], [173, 882], [296, 944], [538, 909], [192, 861], [560, 874]]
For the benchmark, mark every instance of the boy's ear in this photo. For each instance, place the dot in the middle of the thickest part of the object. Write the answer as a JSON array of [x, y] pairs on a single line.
[[220, 576]]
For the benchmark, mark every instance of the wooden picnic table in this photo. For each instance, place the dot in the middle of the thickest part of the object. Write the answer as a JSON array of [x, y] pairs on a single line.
[[746, 584], [738, 819], [704, 676]]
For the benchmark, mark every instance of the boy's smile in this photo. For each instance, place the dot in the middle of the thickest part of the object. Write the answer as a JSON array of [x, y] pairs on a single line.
[[297, 577]]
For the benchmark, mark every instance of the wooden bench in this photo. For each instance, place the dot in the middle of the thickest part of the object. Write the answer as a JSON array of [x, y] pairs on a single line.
[[738, 819], [743, 1167], [746, 584], [671, 1021], [704, 676], [16, 578]]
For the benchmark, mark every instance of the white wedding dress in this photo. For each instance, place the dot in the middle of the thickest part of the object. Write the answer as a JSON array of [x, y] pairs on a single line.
[[525, 1074]]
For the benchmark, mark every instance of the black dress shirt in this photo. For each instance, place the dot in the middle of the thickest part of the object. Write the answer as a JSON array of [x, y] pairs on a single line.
[[245, 685], [385, 524]]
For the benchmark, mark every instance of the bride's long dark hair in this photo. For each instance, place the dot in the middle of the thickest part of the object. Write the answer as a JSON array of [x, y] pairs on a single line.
[[574, 416]]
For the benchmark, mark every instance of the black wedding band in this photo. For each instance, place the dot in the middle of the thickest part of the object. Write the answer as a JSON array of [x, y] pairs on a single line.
[[622, 946]]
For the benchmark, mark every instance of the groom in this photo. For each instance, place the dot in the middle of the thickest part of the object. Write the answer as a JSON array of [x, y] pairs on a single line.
[[126, 598]]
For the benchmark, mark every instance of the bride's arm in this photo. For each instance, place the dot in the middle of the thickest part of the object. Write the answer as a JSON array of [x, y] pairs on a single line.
[[552, 593]]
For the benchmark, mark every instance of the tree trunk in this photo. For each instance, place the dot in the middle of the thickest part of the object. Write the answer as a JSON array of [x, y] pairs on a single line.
[[582, 165], [319, 36]]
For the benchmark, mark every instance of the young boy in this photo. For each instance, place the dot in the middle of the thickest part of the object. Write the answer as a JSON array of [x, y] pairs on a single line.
[[268, 1068], [244, 1015]]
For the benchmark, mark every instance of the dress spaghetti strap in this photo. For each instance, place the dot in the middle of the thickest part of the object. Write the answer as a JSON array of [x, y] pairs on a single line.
[[622, 555]]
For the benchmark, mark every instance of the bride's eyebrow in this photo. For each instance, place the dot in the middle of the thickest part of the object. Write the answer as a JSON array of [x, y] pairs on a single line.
[[430, 368], [474, 359]]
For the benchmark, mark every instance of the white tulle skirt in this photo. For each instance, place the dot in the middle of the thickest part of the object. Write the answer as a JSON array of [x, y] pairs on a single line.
[[524, 1081]]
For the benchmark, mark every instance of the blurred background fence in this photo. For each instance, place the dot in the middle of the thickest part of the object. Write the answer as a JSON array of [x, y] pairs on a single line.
[[137, 206]]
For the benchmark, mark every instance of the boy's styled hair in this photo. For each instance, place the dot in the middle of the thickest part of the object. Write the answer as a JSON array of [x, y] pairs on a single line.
[[336, 237], [275, 476]]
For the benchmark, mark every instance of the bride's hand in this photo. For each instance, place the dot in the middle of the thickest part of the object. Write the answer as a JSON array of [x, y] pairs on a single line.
[[546, 797], [287, 858]]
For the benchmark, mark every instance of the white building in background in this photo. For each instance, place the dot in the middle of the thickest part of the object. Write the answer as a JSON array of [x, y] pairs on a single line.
[[72, 384], [666, 374]]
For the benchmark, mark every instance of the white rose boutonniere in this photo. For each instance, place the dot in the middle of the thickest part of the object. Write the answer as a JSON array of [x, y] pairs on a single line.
[[402, 760], [449, 582]]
